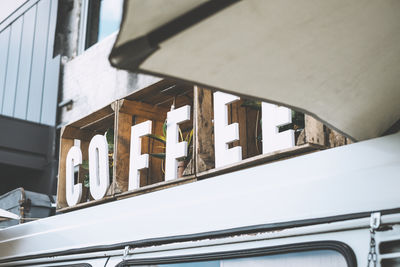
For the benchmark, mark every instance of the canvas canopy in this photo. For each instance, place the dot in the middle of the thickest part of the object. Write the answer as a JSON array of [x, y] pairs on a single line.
[[337, 60]]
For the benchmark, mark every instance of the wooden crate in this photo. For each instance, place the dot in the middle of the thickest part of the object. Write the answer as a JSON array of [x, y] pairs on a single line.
[[163, 95], [249, 129], [311, 136], [84, 129], [151, 103]]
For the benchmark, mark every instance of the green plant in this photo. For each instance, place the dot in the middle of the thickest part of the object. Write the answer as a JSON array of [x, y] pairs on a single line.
[[163, 139]]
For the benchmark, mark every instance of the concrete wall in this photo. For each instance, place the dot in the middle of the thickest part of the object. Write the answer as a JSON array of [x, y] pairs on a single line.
[[91, 82]]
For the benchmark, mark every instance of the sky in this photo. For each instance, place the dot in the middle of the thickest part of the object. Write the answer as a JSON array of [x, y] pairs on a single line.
[[110, 17]]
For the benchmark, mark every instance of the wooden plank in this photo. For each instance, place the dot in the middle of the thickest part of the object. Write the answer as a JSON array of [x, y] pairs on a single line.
[[183, 98], [122, 136], [161, 93], [253, 129], [155, 173], [50, 90], [203, 133], [94, 117], [100, 125], [70, 132], [65, 146], [336, 139], [4, 46], [86, 204], [151, 90], [244, 122], [314, 131], [38, 61], [12, 68], [234, 110], [140, 109], [82, 172], [261, 159], [25, 64]]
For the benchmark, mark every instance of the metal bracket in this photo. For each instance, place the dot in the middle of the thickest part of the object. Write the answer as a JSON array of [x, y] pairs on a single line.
[[126, 252], [375, 221]]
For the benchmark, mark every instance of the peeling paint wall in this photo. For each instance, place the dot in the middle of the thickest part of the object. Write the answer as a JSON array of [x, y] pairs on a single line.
[[91, 82]]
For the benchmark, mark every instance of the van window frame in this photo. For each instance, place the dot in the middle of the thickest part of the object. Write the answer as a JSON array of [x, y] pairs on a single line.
[[73, 265], [340, 247]]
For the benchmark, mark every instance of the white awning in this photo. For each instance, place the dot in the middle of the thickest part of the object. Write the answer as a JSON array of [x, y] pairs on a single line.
[[6, 215], [337, 60]]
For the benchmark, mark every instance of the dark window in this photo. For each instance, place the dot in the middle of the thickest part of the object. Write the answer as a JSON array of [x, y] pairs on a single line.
[[102, 18], [321, 253], [326, 258]]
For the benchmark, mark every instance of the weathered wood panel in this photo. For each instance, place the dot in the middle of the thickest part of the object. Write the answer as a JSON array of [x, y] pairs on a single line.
[[156, 165], [204, 132], [65, 145], [141, 112], [253, 130], [122, 131], [314, 131], [96, 123]]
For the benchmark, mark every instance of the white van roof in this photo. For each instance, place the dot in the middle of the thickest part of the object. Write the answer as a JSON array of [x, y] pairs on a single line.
[[341, 183]]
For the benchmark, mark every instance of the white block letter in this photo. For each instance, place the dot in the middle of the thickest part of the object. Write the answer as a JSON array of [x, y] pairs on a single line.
[[98, 166], [137, 161], [175, 150], [273, 117], [224, 133], [73, 192]]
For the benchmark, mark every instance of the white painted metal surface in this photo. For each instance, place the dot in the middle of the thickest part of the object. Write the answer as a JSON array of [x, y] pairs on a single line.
[[98, 166], [225, 133], [174, 149], [137, 161], [73, 191], [361, 177], [274, 116]]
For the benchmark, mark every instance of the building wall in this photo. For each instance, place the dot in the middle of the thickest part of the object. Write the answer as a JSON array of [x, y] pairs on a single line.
[[29, 85], [91, 82], [28, 71]]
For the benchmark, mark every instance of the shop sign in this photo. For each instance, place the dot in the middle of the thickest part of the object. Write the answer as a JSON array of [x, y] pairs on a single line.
[[273, 117]]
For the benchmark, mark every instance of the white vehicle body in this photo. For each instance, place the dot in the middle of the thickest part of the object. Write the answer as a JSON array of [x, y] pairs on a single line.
[[316, 202]]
